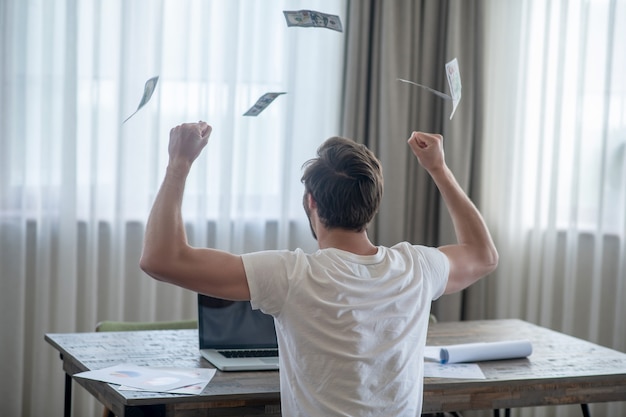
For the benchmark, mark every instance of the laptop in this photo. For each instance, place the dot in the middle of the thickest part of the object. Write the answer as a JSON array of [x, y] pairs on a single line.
[[234, 337]]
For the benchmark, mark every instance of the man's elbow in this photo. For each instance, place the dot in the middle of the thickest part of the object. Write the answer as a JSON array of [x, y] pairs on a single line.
[[483, 266], [153, 266], [491, 260]]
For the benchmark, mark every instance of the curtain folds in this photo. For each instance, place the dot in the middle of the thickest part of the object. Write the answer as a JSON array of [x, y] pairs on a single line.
[[554, 182], [413, 40], [537, 142], [77, 184], [559, 210]]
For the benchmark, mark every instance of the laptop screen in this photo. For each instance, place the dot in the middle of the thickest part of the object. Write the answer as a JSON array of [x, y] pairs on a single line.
[[224, 324]]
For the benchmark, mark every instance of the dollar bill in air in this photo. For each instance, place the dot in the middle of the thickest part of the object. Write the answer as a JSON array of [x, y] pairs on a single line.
[[454, 82], [260, 105], [311, 18], [148, 89]]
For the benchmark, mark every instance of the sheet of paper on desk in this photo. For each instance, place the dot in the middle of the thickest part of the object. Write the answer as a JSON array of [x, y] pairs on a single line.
[[203, 374], [458, 371], [142, 377], [476, 352]]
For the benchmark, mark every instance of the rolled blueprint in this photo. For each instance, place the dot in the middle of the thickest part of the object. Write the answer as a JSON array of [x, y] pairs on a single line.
[[486, 351]]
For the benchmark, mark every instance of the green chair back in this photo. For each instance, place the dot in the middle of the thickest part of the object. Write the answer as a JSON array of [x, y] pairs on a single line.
[[125, 326]]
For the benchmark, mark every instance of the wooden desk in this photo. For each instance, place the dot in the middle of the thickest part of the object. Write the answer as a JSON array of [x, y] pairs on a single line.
[[561, 370], [239, 393]]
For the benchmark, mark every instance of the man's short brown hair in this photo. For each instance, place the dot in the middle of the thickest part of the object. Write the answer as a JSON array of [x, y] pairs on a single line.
[[346, 182]]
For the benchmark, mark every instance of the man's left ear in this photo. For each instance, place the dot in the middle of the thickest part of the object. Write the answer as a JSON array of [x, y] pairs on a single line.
[[311, 201]]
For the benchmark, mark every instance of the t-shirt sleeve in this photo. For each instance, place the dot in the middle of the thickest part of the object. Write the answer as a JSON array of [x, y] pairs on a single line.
[[436, 269], [268, 274]]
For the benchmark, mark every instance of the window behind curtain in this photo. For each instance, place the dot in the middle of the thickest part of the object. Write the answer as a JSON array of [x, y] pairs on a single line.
[[555, 168], [76, 185], [76, 70], [574, 115]]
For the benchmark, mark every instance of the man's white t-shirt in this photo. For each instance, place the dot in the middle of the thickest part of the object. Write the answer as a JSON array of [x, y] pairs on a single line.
[[351, 329]]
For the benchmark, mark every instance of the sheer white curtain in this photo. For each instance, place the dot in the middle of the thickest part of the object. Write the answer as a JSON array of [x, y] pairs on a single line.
[[555, 171], [76, 184]]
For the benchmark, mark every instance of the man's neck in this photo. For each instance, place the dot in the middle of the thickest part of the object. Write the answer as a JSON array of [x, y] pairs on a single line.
[[347, 240]]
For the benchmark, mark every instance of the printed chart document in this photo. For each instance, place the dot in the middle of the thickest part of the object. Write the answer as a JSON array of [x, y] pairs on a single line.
[[203, 374], [133, 377]]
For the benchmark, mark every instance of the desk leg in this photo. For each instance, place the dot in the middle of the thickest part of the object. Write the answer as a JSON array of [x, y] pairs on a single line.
[[68, 396], [585, 408]]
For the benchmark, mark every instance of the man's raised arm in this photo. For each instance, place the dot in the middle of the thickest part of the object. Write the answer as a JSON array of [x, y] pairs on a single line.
[[167, 255], [474, 255]]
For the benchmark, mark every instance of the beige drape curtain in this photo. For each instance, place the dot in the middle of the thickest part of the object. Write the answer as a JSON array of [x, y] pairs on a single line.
[[538, 142], [77, 184], [413, 40]]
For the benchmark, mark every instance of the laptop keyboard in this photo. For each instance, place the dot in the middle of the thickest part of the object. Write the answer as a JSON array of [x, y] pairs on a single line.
[[256, 353]]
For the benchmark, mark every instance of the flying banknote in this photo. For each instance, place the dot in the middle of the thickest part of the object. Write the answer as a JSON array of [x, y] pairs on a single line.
[[311, 18], [454, 82], [148, 89], [260, 105]]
